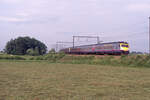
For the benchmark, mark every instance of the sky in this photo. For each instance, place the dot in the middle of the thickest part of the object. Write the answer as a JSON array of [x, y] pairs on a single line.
[[51, 21]]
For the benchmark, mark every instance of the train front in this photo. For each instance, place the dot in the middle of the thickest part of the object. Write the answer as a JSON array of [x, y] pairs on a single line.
[[124, 47]]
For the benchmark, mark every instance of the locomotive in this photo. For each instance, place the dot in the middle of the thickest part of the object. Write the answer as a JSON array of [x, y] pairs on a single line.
[[114, 48]]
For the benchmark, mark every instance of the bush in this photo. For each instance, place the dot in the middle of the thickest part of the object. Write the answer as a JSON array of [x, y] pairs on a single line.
[[11, 57], [32, 58], [39, 58]]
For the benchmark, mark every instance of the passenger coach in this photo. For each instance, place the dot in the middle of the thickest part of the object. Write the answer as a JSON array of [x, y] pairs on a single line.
[[115, 48]]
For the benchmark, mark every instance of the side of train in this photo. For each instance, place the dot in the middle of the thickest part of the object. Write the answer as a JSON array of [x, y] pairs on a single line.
[[114, 48]]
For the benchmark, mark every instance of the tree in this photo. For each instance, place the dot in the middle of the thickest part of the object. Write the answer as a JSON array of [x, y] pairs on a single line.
[[52, 51], [25, 45], [136, 52]]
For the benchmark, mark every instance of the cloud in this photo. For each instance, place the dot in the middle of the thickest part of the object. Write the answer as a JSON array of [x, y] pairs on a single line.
[[12, 1], [139, 7], [12, 19], [22, 14]]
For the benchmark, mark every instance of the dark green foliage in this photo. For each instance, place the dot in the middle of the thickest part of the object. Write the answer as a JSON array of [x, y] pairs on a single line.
[[25, 45]]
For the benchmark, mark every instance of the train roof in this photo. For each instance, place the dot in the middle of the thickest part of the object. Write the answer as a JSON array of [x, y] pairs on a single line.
[[104, 43], [99, 44]]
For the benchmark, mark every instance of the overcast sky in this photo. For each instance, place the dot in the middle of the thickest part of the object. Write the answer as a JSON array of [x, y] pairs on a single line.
[[58, 20]]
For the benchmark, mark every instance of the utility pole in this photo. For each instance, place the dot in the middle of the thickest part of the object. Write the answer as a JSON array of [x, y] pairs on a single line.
[[97, 37], [60, 42], [98, 40], [73, 41], [149, 35]]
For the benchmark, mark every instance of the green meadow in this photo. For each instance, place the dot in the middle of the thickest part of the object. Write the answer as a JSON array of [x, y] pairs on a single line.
[[44, 80]]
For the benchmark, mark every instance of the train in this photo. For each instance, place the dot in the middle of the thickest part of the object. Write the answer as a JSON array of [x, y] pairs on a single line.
[[110, 48]]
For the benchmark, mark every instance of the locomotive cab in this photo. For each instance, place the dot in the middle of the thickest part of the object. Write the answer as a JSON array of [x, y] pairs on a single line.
[[124, 47]]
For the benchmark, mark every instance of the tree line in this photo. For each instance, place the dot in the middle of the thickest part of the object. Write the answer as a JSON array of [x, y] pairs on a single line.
[[25, 46]]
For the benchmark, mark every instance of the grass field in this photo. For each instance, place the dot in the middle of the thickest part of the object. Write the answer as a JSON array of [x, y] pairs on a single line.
[[49, 81]]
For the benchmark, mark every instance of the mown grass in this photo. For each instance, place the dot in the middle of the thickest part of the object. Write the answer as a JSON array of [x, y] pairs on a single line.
[[47, 81]]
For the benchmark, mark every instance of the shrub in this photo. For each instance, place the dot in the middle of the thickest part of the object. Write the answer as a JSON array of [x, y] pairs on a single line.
[[11, 57], [39, 58], [32, 58]]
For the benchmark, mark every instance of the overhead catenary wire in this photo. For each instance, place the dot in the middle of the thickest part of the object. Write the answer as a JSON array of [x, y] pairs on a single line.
[[131, 36]]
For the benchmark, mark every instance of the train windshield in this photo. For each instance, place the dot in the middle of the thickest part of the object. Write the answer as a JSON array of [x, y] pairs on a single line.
[[125, 45]]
